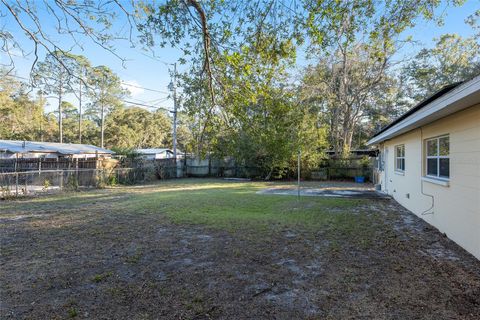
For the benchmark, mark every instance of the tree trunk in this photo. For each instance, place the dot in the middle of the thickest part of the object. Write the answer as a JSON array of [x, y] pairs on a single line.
[[80, 114], [102, 125], [60, 111]]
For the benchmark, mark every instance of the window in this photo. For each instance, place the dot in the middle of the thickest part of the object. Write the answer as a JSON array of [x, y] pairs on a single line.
[[379, 161], [400, 157], [438, 157]]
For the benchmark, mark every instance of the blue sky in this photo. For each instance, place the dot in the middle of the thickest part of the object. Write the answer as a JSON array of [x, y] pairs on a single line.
[[142, 70]]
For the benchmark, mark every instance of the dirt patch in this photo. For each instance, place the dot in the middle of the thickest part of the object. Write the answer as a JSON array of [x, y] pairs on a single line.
[[85, 261], [358, 193]]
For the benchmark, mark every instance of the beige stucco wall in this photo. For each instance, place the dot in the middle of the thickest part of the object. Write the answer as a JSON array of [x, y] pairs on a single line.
[[456, 210]]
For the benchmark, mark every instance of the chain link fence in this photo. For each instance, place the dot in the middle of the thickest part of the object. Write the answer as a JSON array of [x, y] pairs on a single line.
[[15, 184]]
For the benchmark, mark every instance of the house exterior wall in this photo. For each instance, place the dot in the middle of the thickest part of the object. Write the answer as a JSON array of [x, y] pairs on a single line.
[[456, 206], [149, 156], [153, 156]]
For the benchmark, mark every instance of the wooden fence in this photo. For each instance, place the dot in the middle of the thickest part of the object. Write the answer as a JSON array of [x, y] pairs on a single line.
[[39, 164]]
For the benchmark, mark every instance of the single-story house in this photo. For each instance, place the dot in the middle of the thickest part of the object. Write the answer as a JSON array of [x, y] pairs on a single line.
[[157, 153], [10, 149], [429, 162]]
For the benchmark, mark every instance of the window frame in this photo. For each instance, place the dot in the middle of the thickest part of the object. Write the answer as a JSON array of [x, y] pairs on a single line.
[[396, 157], [437, 157]]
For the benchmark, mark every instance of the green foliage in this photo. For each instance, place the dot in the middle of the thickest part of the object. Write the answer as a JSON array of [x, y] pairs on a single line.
[[72, 183], [21, 117], [72, 312], [365, 162], [134, 127], [452, 59], [105, 91], [46, 185], [102, 276], [129, 153], [237, 96], [260, 124], [112, 180]]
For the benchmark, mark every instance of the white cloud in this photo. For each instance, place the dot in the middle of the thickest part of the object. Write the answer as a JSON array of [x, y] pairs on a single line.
[[133, 86]]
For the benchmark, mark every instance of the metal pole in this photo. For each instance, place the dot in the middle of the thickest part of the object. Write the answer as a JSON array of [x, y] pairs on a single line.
[[16, 175], [298, 173], [16, 184], [174, 88], [80, 109]]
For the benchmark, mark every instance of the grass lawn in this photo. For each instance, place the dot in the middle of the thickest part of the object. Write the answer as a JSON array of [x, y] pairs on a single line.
[[203, 249]]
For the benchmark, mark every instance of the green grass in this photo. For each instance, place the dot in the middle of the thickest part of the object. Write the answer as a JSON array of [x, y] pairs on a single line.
[[100, 277], [215, 203], [237, 206]]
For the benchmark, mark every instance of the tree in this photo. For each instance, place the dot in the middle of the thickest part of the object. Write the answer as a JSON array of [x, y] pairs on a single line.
[[134, 127], [77, 21], [54, 76], [346, 85], [237, 47], [257, 120], [105, 92], [81, 73], [452, 59], [70, 117], [354, 42], [21, 117]]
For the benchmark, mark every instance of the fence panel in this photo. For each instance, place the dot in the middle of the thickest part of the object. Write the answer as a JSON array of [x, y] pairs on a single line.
[[14, 184], [22, 165]]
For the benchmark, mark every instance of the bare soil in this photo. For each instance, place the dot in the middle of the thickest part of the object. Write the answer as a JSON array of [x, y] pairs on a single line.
[[81, 260]]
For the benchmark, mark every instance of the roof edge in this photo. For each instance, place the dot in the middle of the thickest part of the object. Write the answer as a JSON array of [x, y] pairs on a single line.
[[416, 116]]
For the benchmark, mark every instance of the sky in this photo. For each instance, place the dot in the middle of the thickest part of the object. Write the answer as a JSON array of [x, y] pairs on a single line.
[[141, 70]]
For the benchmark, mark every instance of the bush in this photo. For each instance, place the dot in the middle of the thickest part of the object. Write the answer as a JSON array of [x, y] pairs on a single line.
[[72, 183], [46, 185]]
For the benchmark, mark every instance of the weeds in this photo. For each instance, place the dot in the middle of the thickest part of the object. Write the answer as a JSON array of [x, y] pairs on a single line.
[[72, 312], [101, 277]]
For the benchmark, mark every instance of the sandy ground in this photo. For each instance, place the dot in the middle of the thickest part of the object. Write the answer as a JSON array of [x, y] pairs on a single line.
[[325, 192], [61, 260]]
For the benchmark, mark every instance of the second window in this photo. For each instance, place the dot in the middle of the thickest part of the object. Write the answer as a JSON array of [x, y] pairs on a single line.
[[400, 157]]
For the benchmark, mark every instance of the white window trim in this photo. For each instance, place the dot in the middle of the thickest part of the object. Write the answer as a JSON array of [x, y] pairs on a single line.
[[439, 181], [398, 170], [429, 177]]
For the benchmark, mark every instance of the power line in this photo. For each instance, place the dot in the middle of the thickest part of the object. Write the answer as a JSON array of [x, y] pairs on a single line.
[[15, 76], [140, 87], [146, 105], [123, 82], [150, 102]]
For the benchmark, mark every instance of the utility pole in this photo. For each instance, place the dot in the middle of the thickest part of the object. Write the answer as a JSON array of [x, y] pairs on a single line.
[[173, 86], [80, 108], [103, 94]]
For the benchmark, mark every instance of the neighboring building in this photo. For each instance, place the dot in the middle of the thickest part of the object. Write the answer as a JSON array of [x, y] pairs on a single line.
[[430, 162], [10, 149], [157, 153]]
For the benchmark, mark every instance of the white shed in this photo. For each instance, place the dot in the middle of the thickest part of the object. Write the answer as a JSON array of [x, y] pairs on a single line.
[[157, 153]]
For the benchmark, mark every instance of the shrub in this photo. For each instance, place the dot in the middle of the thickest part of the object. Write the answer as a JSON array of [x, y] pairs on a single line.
[[46, 185], [72, 183]]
